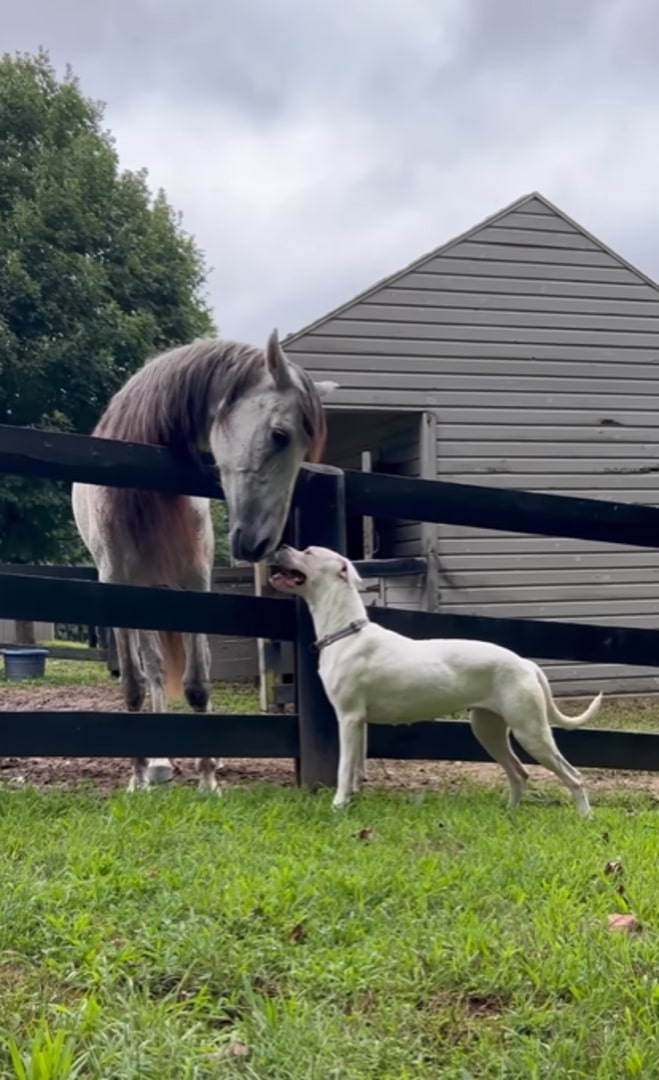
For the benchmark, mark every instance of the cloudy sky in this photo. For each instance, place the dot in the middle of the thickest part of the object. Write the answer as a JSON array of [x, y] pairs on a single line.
[[316, 147]]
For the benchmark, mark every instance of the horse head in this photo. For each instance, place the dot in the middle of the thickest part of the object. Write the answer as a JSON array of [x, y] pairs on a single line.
[[259, 437]]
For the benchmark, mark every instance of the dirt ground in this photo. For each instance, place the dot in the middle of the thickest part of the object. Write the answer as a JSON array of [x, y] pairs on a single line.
[[109, 774]]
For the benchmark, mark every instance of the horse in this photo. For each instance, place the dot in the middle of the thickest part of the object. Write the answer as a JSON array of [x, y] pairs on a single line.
[[260, 416]]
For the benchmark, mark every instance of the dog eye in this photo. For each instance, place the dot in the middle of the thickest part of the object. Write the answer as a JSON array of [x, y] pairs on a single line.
[[280, 438]]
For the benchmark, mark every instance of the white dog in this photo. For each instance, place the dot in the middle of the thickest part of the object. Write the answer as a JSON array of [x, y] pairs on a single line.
[[372, 675]]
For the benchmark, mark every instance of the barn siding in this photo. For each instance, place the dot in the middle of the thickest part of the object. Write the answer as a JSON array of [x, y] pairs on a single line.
[[537, 350]]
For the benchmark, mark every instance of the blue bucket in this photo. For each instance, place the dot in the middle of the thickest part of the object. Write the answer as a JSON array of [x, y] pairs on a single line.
[[25, 663]]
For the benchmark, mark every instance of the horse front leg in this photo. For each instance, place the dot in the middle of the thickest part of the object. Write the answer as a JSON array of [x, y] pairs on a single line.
[[133, 685], [196, 686], [155, 770]]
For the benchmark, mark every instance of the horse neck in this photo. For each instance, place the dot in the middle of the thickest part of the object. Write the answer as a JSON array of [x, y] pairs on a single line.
[[171, 400]]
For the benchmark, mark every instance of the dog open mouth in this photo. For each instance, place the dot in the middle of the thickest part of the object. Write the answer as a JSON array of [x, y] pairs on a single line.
[[283, 578]]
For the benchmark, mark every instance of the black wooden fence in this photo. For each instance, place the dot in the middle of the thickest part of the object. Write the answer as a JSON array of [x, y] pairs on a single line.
[[324, 496]]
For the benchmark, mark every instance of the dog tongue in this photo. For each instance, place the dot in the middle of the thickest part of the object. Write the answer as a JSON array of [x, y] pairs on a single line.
[[291, 576]]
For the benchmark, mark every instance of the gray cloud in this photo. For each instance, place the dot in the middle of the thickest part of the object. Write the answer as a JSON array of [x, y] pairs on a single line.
[[315, 148]]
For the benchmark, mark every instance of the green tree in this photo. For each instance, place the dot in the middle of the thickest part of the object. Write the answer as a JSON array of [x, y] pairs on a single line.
[[95, 275]]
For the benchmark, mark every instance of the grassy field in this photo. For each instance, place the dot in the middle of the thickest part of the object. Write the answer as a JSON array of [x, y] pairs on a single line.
[[226, 697], [173, 937], [168, 936]]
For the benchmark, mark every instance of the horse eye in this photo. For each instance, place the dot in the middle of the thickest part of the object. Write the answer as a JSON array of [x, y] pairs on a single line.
[[280, 438]]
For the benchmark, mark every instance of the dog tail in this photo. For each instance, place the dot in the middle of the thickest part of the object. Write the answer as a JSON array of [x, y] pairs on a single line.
[[554, 714]]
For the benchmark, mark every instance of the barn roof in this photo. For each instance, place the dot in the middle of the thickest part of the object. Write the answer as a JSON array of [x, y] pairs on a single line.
[[469, 234]]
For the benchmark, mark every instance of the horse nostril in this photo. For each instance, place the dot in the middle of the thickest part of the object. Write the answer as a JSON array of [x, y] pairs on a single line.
[[236, 544], [260, 549], [244, 545]]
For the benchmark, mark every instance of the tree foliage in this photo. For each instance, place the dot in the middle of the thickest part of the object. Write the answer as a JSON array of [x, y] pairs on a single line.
[[95, 275]]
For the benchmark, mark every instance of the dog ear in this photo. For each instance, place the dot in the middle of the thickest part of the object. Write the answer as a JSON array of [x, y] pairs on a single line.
[[349, 574]]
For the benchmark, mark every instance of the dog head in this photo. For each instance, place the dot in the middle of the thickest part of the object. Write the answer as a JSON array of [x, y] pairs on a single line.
[[311, 572]]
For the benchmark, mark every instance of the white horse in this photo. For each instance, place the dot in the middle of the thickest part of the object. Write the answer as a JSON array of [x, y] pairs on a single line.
[[259, 415]]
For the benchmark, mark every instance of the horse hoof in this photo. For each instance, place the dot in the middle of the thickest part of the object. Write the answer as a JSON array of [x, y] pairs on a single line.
[[137, 784], [159, 772], [208, 785]]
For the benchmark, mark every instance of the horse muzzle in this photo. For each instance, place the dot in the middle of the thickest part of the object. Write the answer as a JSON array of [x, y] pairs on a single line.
[[250, 546]]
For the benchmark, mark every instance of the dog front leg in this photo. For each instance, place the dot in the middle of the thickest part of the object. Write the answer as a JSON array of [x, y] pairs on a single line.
[[351, 747]]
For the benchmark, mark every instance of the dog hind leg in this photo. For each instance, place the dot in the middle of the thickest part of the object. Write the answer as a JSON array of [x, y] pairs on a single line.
[[491, 731], [534, 733]]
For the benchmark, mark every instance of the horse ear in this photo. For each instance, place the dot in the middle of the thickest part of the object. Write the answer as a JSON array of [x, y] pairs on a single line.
[[276, 361], [326, 387]]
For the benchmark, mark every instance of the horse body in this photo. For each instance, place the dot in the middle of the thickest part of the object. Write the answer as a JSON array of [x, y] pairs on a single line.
[[260, 416]]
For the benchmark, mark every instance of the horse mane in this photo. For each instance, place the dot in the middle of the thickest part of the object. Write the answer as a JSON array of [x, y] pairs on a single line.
[[167, 402]]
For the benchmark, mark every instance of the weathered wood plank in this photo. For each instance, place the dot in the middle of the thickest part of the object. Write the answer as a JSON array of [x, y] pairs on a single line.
[[64, 652], [638, 647], [465, 317], [100, 734], [84, 573], [374, 331], [92, 734], [94, 604], [107, 462], [503, 304], [454, 741], [444, 502], [319, 519], [548, 258], [466, 276]]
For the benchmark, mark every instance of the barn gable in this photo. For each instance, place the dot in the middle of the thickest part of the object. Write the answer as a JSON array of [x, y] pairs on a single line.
[[534, 347], [524, 280]]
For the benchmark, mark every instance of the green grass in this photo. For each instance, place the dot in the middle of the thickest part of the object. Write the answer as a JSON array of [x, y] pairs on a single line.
[[167, 936], [225, 697]]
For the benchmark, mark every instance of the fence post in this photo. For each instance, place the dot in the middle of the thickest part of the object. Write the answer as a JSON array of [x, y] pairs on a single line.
[[319, 519]]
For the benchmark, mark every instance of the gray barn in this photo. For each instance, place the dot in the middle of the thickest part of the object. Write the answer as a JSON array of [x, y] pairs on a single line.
[[523, 354]]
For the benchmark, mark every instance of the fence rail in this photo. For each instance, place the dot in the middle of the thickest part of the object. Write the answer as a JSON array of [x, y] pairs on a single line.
[[323, 497], [91, 603], [24, 596], [445, 503], [261, 735], [28, 452]]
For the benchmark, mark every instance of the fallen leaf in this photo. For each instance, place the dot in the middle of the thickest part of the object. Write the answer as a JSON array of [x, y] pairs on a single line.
[[363, 834], [238, 1050], [627, 924], [614, 866], [298, 933]]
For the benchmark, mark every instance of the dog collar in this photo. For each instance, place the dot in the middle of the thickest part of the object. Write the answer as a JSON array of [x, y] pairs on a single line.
[[329, 639]]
